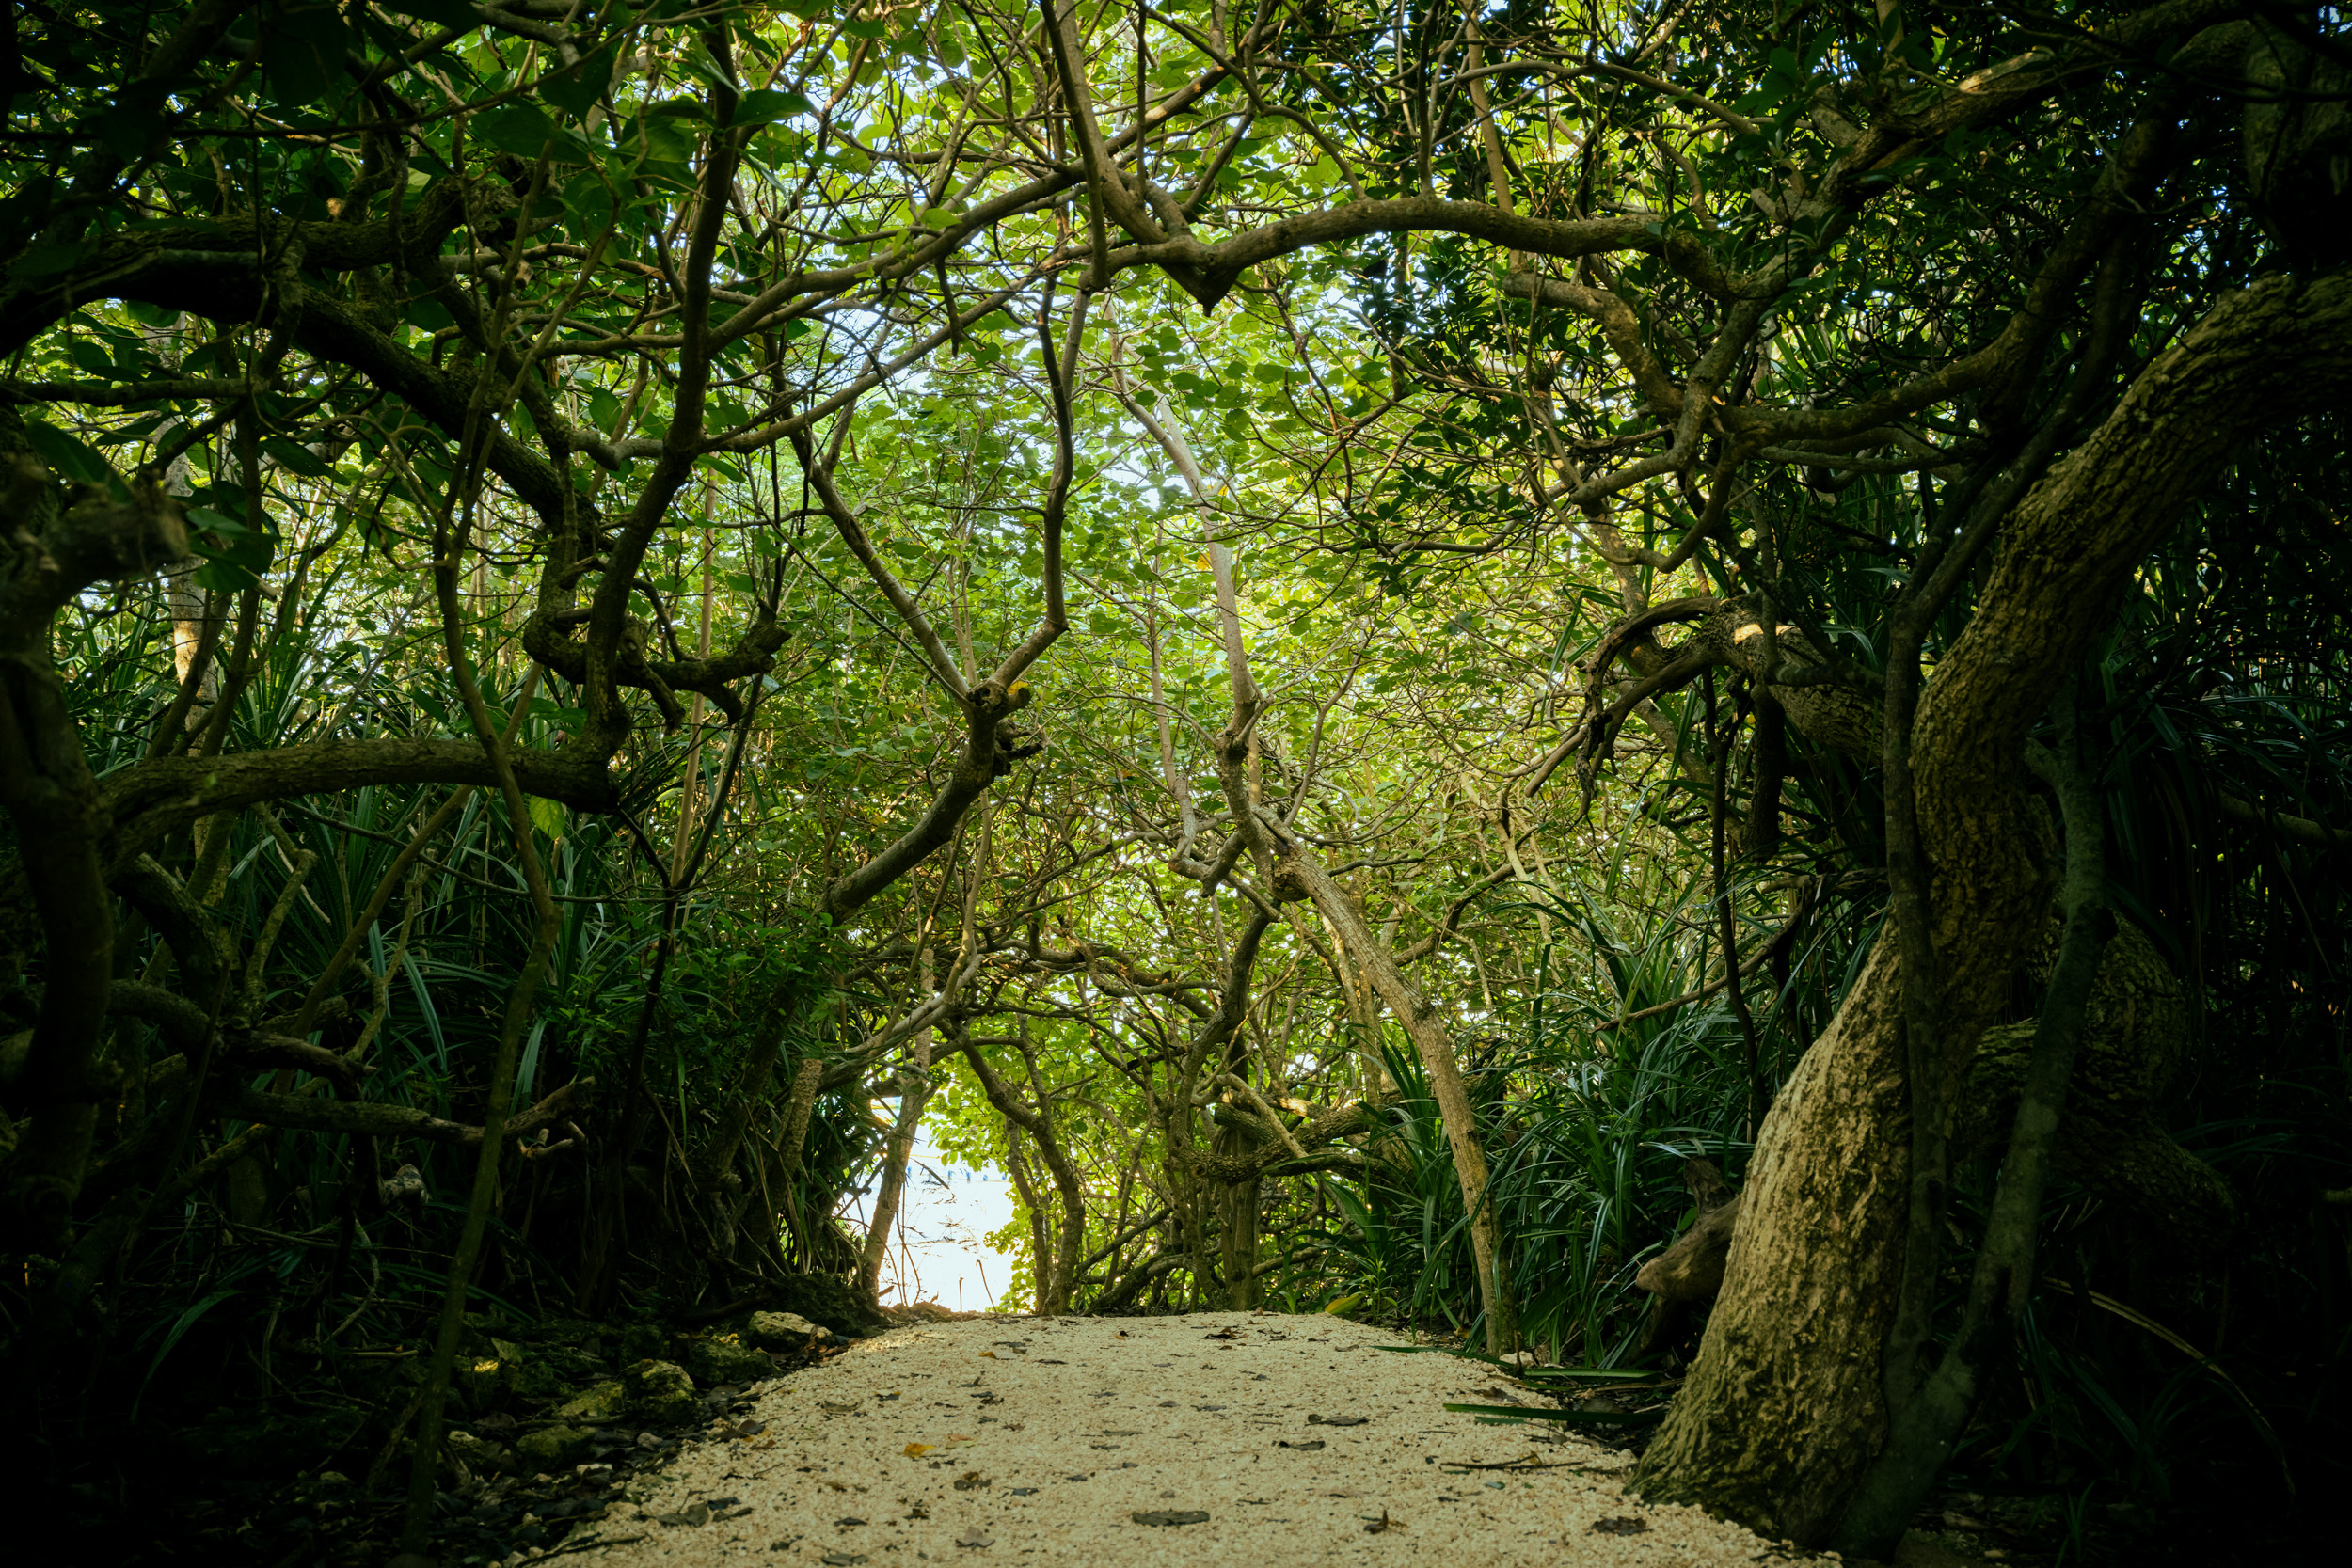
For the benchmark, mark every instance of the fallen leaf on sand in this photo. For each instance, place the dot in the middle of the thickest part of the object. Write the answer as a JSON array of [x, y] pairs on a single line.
[[841, 1560], [971, 1480], [691, 1517], [1628, 1525], [1383, 1525], [1302, 1447], [916, 1450], [1337, 1420], [974, 1538], [990, 1354], [1170, 1516]]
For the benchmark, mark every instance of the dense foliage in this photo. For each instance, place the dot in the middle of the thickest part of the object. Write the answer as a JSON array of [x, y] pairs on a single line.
[[1301, 626]]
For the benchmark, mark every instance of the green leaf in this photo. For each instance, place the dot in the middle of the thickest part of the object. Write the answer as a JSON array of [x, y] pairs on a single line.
[[521, 129], [226, 576], [587, 207], [576, 88], [526, 130], [769, 104], [548, 816], [179, 1327], [295, 458], [68, 456], [1514, 1413], [44, 261], [303, 52], [132, 120], [236, 562]]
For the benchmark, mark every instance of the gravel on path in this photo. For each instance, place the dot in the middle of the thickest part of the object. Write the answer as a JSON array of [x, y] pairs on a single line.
[[1212, 1438]]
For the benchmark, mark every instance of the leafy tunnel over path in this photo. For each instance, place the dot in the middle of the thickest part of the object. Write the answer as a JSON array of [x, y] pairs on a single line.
[[1349, 639]]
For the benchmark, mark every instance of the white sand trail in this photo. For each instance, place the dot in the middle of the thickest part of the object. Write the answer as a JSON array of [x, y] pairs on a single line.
[[1046, 1436]]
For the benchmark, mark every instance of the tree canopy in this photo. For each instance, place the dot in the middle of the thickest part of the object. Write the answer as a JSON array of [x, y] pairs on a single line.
[[1361, 642]]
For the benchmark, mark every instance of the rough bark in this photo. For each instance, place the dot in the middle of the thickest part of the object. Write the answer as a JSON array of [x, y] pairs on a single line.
[[59, 811], [1268, 1151], [2115, 1142], [364, 1119], [1785, 1408], [1786, 1404], [1690, 1271], [1927, 1425], [2113, 1139]]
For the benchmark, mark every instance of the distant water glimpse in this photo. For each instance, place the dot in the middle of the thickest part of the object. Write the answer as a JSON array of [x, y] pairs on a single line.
[[940, 1252]]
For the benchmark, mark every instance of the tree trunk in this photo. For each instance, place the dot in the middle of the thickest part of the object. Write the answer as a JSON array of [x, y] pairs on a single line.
[[53, 800], [1786, 1408], [914, 1091], [806, 1083], [1056, 1265], [1239, 1201], [1074, 1223], [1436, 1048]]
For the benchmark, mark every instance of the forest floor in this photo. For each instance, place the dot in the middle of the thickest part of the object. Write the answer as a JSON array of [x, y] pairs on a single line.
[[1209, 1438]]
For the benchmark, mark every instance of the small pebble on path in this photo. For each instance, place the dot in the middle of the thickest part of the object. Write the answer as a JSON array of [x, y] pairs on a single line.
[[880, 1455]]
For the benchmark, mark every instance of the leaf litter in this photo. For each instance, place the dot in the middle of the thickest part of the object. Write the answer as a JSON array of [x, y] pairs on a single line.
[[1194, 1473]]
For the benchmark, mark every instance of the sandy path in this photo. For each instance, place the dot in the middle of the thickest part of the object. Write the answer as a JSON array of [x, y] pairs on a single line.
[[1046, 1437]]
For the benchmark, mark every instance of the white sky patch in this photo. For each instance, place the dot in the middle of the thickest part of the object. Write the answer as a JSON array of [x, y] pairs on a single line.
[[940, 1252]]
